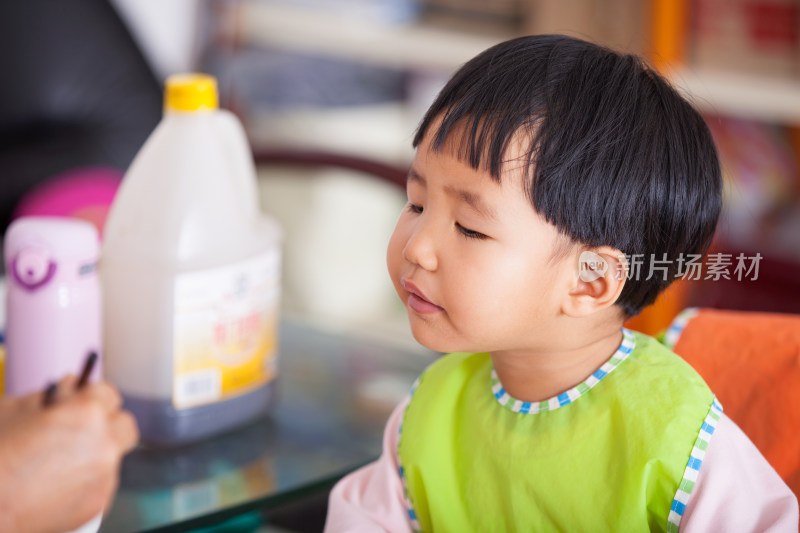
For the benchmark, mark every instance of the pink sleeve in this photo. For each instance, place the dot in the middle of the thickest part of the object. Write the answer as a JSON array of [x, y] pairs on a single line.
[[737, 489], [372, 498]]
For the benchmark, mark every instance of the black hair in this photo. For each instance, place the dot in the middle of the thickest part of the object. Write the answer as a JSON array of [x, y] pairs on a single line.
[[616, 156]]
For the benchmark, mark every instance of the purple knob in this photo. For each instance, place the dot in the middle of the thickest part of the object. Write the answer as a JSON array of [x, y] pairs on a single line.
[[32, 268]]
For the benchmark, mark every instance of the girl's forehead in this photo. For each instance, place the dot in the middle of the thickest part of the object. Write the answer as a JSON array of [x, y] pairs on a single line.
[[515, 170], [441, 170]]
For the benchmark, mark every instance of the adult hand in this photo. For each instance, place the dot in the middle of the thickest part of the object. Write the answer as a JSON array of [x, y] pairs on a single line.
[[59, 465]]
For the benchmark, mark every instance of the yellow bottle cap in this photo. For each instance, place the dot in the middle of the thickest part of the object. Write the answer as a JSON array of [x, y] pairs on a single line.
[[190, 92]]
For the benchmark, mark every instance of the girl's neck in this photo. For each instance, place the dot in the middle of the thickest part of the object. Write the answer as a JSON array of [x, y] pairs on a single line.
[[538, 376]]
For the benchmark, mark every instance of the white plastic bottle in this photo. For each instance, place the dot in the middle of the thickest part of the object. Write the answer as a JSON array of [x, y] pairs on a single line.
[[190, 272]]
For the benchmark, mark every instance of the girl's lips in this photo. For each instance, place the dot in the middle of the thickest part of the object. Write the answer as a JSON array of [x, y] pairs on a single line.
[[422, 306], [417, 300]]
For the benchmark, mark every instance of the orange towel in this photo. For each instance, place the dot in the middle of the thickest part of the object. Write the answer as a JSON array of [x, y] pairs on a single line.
[[752, 363]]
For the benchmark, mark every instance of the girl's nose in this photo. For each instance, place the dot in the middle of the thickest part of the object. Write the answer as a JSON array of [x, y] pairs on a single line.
[[420, 248]]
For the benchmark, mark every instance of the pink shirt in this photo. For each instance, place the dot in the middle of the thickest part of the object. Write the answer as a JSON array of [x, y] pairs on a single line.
[[736, 490]]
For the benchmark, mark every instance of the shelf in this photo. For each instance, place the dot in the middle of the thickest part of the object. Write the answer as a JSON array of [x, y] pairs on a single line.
[[416, 46], [385, 44], [741, 95]]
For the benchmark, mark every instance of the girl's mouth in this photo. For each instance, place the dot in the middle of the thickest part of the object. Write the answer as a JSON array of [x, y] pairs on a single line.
[[418, 301]]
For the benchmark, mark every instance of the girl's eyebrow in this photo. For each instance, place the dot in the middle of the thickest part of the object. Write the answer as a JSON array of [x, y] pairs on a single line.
[[471, 199], [413, 175]]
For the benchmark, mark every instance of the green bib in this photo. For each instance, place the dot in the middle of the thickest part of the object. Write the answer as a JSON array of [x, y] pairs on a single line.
[[608, 455]]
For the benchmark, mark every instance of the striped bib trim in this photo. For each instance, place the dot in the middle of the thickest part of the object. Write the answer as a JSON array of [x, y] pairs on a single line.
[[693, 467], [569, 396]]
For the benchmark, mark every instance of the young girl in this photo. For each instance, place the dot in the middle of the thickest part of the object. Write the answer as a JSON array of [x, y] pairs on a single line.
[[542, 163]]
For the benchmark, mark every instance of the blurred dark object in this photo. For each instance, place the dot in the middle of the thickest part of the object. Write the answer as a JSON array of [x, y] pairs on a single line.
[[316, 158], [507, 14], [773, 286], [304, 515], [76, 92], [254, 79]]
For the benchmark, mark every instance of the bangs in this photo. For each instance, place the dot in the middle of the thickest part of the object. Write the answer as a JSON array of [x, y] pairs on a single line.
[[483, 140]]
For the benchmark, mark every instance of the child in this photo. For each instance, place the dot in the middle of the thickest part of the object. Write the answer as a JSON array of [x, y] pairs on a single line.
[[541, 164]]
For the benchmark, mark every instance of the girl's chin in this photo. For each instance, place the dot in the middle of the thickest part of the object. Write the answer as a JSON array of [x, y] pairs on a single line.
[[434, 338]]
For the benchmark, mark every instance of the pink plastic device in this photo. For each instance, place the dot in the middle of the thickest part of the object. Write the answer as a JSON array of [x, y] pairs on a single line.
[[53, 317]]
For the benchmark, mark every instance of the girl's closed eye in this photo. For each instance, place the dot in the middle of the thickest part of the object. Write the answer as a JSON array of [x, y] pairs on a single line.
[[416, 209], [471, 234]]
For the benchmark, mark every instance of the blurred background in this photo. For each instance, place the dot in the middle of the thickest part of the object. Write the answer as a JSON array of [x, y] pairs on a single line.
[[351, 78]]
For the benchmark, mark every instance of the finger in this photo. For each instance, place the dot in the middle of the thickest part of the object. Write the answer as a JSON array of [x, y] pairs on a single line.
[[49, 395], [34, 400], [68, 382], [124, 430], [64, 388], [105, 394]]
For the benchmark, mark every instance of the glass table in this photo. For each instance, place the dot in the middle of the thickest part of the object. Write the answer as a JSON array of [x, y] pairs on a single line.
[[334, 396]]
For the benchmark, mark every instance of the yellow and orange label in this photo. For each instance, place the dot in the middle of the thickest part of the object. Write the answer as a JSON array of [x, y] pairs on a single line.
[[225, 330]]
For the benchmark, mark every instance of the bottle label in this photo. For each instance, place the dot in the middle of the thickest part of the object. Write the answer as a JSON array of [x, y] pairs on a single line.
[[225, 330]]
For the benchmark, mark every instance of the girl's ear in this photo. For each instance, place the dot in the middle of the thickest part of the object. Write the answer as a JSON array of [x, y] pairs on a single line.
[[600, 277]]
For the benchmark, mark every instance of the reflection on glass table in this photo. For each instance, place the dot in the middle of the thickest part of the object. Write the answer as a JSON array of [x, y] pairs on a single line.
[[334, 395]]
